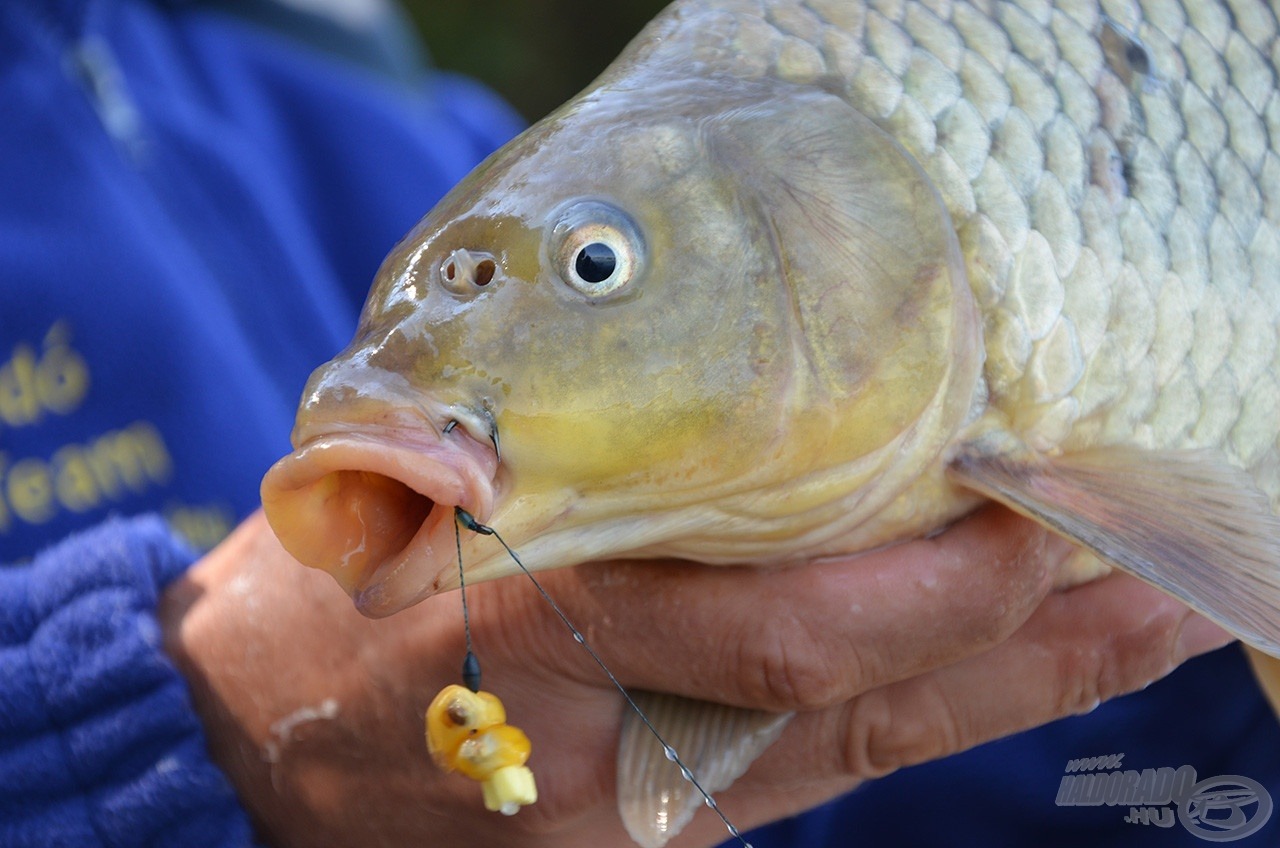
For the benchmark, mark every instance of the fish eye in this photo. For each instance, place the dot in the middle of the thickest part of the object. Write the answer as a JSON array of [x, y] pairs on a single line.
[[596, 262], [595, 248]]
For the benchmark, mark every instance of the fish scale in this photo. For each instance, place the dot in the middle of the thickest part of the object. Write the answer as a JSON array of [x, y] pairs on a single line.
[[1119, 215]]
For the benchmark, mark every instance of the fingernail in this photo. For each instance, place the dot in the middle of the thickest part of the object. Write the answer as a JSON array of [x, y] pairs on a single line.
[[1199, 635]]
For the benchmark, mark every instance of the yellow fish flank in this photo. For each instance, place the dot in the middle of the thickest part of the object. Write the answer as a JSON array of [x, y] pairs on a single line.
[[804, 278]]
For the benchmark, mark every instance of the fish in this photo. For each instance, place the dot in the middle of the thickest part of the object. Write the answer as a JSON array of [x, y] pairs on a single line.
[[798, 279]]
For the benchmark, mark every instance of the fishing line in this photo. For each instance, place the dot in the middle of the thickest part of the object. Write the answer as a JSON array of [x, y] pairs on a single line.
[[470, 665], [467, 520]]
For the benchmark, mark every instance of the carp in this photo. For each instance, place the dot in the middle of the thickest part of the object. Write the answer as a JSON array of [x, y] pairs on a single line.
[[794, 279]]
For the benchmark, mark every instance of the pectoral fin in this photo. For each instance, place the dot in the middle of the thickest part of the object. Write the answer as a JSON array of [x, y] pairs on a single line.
[[716, 742], [1187, 522]]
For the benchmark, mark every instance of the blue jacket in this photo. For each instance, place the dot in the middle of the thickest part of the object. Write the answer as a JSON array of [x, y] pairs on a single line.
[[193, 199]]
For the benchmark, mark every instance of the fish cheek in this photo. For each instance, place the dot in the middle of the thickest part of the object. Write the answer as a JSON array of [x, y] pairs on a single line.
[[610, 406], [871, 288], [648, 390]]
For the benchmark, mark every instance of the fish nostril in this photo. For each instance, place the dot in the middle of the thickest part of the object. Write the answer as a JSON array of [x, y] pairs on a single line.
[[464, 271]]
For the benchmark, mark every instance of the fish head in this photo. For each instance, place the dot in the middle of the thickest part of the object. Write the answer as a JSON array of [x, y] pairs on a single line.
[[663, 321]]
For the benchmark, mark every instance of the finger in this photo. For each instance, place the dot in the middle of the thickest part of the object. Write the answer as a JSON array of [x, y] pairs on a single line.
[[811, 636], [1079, 649]]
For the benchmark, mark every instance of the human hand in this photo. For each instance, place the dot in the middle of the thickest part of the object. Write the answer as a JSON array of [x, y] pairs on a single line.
[[892, 658]]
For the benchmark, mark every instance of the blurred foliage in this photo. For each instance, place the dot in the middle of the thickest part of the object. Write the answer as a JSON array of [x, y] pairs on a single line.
[[535, 53]]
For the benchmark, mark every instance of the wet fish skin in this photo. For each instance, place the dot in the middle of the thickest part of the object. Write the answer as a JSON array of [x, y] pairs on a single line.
[[1107, 187], [1113, 174], [893, 257], [613, 434]]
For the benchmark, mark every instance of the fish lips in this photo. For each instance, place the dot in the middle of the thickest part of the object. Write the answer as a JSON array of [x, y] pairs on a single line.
[[374, 508]]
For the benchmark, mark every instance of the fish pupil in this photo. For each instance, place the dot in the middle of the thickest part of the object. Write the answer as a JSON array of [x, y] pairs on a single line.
[[595, 262]]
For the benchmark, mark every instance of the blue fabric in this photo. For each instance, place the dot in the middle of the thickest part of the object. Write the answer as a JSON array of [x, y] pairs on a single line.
[[98, 741], [191, 209]]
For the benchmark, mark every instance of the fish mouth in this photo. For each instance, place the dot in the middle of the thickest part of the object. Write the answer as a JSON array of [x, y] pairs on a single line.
[[374, 507]]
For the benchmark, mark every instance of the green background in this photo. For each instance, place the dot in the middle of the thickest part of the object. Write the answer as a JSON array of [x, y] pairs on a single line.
[[535, 53]]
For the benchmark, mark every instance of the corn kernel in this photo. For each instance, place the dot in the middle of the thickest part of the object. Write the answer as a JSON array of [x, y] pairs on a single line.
[[492, 749], [467, 732], [509, 789], [455, 715]]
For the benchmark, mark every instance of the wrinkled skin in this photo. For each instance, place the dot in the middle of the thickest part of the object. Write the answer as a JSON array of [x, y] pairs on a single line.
[[959, 640]]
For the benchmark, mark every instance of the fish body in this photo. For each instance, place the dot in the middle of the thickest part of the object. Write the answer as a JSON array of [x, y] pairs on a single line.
[[804, 278]]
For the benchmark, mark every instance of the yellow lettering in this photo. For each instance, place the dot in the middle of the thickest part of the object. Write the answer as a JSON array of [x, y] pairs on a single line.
[[202, 526], [104, 473], [81, 477], [149, 447], [18, 401], [115, 454], [6, 520], [73, 480], [135, 457], [30, 491], [56, 381], [62, 377]]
